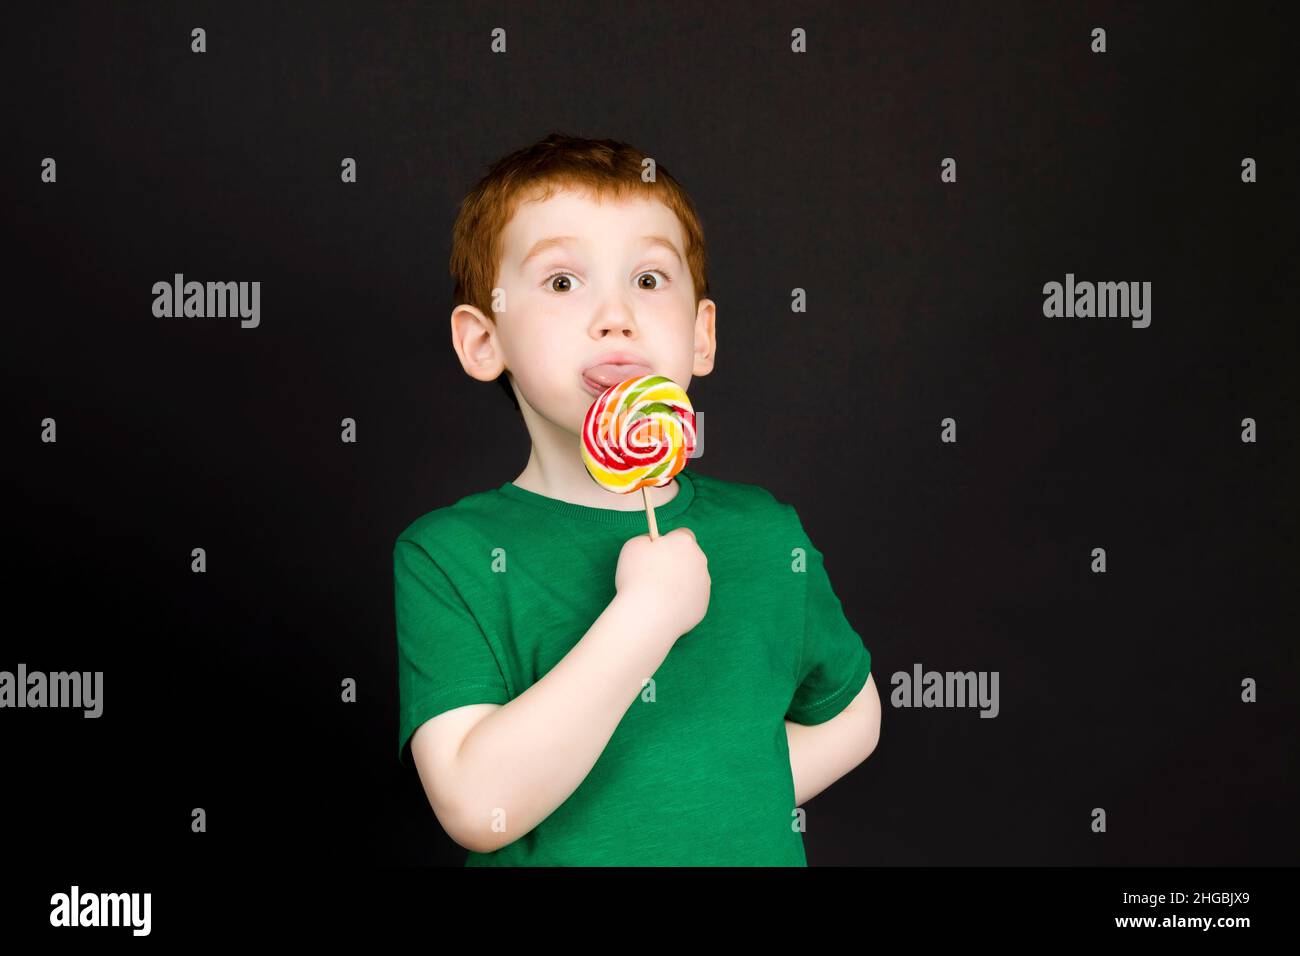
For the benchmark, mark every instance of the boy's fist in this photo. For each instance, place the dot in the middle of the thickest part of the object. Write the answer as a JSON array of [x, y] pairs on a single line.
[[666, 579]]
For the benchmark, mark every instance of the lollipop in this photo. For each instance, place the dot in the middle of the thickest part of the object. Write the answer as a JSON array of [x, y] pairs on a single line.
[[637, 434]]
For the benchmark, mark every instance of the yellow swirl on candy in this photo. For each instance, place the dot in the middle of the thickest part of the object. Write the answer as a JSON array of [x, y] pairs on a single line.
[[638, 434]]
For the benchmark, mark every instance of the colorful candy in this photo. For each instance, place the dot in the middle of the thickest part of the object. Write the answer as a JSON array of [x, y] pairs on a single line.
[[638, 434]]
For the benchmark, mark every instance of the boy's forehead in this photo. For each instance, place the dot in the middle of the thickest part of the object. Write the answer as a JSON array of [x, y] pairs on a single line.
[[568, 213]]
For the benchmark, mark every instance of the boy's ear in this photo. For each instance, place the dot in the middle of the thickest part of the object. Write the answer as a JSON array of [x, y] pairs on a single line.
[[706, 339], [473, 336]]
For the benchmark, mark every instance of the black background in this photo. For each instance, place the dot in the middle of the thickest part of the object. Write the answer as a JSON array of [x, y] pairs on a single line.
[[820, 171]]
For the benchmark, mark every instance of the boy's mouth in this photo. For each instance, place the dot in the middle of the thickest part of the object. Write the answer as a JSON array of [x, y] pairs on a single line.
[[600, 377]]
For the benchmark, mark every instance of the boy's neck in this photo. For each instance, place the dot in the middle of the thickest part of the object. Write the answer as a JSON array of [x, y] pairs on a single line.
[[564, 477]]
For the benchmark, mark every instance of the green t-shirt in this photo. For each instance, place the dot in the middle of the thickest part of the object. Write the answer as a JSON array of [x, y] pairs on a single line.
[[492, 592]]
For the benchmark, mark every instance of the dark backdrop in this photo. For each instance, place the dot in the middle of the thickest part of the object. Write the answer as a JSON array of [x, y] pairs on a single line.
[[819, 171]]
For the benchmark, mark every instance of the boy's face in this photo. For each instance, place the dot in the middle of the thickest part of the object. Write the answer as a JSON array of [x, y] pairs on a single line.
[[584, 280]]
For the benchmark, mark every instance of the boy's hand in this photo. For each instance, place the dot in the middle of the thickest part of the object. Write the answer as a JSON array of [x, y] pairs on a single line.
[[667, 580]]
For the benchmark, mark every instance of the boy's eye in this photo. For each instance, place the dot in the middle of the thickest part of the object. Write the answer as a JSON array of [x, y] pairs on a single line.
[[554, 276], [651, 288], [566, 280]]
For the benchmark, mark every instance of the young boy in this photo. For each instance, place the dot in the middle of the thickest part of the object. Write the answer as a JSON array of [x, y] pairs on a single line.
[[574, 693]]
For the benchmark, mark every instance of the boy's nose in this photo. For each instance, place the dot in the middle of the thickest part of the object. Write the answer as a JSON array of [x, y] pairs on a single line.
[[615, 317]]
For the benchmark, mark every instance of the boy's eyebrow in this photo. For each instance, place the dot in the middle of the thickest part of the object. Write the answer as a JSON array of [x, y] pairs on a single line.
[[666, 243], [541, 245]]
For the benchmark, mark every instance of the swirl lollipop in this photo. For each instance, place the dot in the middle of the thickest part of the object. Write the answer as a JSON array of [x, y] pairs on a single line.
[[637, 434]]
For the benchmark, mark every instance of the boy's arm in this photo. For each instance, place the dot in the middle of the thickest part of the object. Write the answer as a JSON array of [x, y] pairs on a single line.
[[521, 760], [822, 753]]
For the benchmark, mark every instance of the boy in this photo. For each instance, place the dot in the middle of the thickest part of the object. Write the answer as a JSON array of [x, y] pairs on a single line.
[[572, 692]]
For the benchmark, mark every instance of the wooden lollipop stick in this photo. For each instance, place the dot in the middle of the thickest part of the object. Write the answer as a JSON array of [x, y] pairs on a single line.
[[650, 513]]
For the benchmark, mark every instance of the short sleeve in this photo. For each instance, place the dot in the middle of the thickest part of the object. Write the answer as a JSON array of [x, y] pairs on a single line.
[[443, 658], [834, 663]]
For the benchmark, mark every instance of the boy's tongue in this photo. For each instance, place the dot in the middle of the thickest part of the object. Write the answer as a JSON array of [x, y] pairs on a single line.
[[608, 375]]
